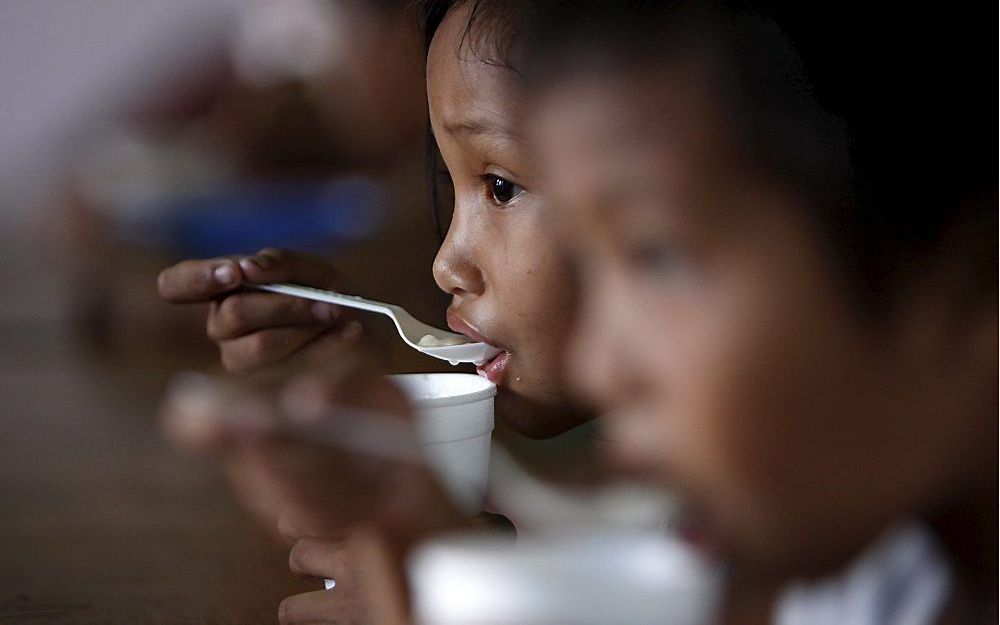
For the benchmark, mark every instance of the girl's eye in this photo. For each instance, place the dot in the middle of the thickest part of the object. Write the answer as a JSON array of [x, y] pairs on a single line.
[[502, 190]]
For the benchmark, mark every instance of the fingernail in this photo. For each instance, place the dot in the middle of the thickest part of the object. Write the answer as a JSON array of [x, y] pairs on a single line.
[[263, 261], [350, 331], [248, 264], [325, 312], [224, 275]]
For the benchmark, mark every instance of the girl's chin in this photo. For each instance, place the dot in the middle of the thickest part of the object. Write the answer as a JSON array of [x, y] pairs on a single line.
[[534, 418]]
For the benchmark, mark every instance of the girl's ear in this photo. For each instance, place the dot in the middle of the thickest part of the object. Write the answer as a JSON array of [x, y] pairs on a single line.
[[950, 313], [984, 347], [968, 282]]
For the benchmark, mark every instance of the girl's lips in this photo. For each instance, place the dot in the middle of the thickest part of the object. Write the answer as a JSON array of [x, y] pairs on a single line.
[[494, 370], [457, 324]]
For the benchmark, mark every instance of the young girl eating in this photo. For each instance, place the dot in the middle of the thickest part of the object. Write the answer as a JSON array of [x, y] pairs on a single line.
[[510, 286]]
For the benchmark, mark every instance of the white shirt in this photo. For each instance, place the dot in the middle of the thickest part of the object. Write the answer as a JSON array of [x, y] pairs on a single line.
[[902, 579]]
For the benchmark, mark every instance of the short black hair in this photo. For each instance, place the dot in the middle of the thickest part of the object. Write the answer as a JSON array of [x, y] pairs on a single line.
[[493, 33], [884, 119]]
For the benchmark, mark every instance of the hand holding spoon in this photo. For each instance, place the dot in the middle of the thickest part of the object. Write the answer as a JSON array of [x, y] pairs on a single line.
[[454, 348]]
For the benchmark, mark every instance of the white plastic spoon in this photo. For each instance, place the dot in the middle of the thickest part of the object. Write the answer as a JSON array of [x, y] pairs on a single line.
[[454, 348]]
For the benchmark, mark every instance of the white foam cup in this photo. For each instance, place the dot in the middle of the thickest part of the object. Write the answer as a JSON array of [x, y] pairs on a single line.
[[454, 423]]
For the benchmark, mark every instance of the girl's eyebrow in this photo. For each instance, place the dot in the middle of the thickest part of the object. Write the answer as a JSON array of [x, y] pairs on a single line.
[[478, 127]]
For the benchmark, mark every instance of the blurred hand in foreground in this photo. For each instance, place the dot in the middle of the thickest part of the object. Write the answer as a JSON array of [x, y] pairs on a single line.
[[323, 448], [329, 456]]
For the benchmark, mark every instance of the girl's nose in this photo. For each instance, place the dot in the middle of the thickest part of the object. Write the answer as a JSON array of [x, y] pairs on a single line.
[[456, 268]]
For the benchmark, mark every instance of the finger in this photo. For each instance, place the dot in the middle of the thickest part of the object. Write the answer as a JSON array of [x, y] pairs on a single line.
[[245, 313], [322, 559], [198, 414], [333, 341], [313, 396], [275, 265], [281, 477], [264, 347], [198, 280], [321, 491], [254, 485], [188, 417], [322, 606], [326, 493]]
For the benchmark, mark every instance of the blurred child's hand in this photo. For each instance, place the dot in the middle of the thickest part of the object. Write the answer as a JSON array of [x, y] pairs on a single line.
[[255, 329], [351, 514], [269, 434]]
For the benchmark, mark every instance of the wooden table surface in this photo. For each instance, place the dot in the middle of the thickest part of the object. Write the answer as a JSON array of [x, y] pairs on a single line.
[[100, 521]]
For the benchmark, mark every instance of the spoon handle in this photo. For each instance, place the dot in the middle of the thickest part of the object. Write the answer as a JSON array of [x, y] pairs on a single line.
[[319, 295]]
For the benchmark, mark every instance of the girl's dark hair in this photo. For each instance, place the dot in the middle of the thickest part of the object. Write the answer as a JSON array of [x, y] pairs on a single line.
[[491, 32], [884, 121]]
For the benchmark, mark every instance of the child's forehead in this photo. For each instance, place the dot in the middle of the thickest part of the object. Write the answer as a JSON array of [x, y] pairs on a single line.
[[473, 85], [468, 95], [629, 121], [466, 54], [474, 108], [617, 149]]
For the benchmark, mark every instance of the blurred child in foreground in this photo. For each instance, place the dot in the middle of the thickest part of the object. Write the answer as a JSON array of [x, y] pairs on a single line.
[[786, 223]]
